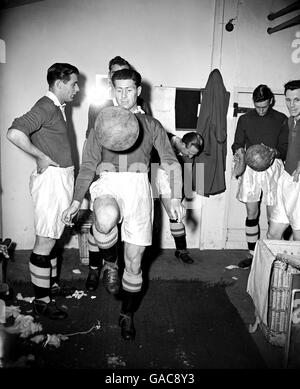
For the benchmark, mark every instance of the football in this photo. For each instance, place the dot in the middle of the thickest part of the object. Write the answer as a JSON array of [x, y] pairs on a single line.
[[260, 157], [117, 128]]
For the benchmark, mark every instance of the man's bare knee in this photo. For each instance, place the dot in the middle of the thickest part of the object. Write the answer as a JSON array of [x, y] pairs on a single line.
[[107, 214], [276, 230], [105, 225], [43, 245]]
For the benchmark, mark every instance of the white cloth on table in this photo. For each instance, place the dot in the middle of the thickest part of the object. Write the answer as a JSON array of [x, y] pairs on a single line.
[[259, 277]]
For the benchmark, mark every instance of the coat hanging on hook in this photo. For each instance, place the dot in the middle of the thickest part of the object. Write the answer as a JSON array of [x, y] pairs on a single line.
[[212, 125]]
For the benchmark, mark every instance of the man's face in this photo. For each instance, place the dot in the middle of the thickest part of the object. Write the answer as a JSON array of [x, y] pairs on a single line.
[[126, 93], [69, 88], [292, 100], [262, 107], [189, 151]]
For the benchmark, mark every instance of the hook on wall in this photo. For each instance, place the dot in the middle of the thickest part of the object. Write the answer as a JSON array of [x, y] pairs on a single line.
[[229, 26]]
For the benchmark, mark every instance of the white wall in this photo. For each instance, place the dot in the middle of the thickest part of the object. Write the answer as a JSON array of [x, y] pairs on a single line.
[[171, 42], [166, 40], [247, 56]]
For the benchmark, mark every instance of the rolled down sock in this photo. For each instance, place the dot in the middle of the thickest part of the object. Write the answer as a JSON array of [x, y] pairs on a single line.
[[179, 234], [107, 244]]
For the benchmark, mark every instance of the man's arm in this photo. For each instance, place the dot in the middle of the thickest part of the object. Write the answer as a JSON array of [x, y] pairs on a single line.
[[171, 165], [92, 114], [169, 161], [239, 137], [21, 129], [91, 157], [21, 140], [296, 173], [283, 138]]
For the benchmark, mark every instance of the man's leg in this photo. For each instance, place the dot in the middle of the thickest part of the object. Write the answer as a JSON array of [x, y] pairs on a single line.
[[178, 232], [132, 281], [251, 231], [57, 288], [40, 273], [92, 281], [296, 234], [105, 232], [276, 230]]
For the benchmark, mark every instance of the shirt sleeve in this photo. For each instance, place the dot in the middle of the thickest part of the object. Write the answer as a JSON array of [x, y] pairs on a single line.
[[92, 114], [239, 137], [168, 160], [283, 138], [31, 121], [91, 157]]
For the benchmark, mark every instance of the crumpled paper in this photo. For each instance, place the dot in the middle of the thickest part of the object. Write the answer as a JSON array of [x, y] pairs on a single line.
[[50, 340], [24, 325], [28, 299], [4, 251], [55, 339], [78, 294], [12, 310]]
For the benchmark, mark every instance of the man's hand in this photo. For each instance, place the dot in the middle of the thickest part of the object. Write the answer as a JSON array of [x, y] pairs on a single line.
[[43, 163], [237, 155], [295, 175], [177, 210], [69, 213], [273, 150]]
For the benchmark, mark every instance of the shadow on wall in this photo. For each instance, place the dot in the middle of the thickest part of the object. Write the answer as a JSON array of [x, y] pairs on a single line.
[[69, 114]]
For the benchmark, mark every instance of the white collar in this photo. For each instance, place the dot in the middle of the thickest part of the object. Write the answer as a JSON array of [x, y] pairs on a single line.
[[137, 110], [54, 98]]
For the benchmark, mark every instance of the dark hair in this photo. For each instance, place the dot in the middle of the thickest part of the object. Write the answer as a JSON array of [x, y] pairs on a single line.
[[118, 61], [261, 93], [193, 139], [60, 71], [127, 74], [292, 85]]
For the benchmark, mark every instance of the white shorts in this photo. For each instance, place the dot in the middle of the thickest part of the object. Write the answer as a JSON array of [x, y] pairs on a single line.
[[51, 192], [133, 193], [287, 207], [252, 184]]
